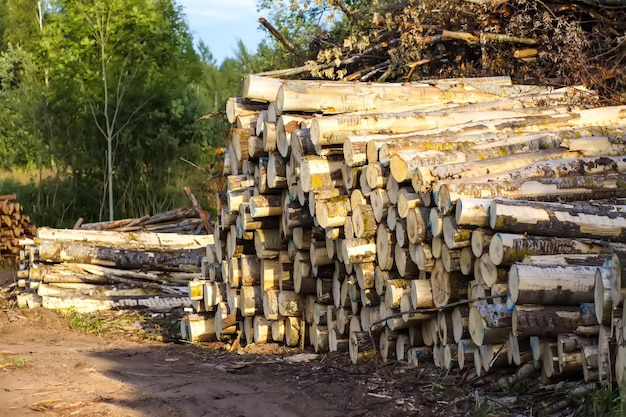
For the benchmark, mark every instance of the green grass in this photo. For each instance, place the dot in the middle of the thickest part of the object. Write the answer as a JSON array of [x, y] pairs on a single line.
[[85, 322], [12, 363], [604, 402]]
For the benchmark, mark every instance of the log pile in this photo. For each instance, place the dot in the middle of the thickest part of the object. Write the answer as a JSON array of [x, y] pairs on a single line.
[[14, 225], [181, 221], [474, 225], [91, 270]]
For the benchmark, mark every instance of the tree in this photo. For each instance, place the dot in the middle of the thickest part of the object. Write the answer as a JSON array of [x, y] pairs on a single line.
[[18, 143], [115, 67]]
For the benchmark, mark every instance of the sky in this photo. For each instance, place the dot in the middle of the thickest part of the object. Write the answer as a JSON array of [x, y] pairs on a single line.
[[221, 23]]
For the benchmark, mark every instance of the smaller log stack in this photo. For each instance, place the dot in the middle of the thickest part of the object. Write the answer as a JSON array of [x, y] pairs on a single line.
[[449, 222], [14, 225], [90, 270]]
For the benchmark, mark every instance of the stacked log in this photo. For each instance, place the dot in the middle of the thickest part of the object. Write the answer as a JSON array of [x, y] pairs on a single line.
[[477, 227], [90, 270], [14, 225]]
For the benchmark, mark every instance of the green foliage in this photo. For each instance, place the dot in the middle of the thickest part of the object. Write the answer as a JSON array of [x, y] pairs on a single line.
[[77, 76], [604, 402], [16, 139], [23, 21], [129, 78]]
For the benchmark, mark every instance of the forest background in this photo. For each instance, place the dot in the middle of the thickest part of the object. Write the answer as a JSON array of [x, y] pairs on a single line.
[[86, 85]]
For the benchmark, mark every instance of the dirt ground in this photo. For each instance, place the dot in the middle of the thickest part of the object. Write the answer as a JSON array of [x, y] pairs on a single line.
[[50, 367]]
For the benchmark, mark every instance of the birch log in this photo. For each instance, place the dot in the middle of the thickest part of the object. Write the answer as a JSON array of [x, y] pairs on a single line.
[[573, 188], [507, 248], [318, 173], [558, 220], [552, 284], [425, 176], [123, 239]]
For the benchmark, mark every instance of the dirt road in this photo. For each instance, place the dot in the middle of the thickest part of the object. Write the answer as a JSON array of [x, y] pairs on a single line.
[[49, 369]]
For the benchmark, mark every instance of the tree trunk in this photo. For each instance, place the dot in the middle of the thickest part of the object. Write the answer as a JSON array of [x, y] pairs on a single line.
[[252, 301], [489, 323], [266, 206], [396, 288]]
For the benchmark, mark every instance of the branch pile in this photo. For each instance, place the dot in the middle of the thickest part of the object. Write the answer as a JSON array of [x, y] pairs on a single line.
[[559, 43], [181, 221], [474, 224]]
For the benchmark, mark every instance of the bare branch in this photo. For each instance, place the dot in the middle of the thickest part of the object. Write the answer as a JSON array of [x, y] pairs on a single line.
[[279, 36]]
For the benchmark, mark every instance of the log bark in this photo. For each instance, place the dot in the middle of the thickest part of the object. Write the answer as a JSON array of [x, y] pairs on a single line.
[[508, 248], [126, 240], [425, 176], [346, 97], [358, 250], [558, 220], [573, 188], [472, 212], [260, 88], [551, 284], [334, 129], [180, 259]]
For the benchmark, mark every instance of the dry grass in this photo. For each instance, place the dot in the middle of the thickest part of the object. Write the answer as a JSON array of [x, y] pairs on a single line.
[[26, 177]]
